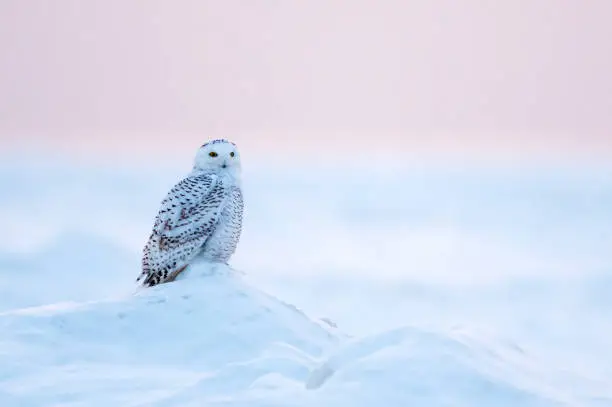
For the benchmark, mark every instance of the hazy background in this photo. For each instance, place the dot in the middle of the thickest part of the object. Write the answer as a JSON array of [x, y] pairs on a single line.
[[438, 79], [504, 224]]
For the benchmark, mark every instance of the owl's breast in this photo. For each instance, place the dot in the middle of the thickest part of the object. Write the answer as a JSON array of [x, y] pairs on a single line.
[[223, 241]]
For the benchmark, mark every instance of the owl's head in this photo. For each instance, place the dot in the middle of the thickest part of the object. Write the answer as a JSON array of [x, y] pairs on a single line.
[[218, 155]]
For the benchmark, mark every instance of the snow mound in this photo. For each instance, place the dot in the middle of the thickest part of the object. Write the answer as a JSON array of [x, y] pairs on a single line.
[[211, 339], [413, 366], [210, 334]]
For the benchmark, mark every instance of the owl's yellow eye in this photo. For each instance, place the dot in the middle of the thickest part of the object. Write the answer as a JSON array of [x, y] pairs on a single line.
[[232, 154], [212, 154]]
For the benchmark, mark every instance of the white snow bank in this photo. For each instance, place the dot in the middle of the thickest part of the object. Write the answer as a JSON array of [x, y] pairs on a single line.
[[212, 332], [211, 339], [413, 366]]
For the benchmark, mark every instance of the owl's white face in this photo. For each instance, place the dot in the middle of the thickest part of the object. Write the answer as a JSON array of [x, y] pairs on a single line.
[[218, 155]]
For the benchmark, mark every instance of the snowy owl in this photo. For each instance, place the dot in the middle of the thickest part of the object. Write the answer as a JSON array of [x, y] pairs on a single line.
[[201, 217]]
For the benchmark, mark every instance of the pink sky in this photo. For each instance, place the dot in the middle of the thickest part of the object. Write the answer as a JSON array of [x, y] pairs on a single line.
[[480, 77]]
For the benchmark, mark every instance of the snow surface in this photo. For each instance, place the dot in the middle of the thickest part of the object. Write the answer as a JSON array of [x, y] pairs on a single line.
[[463, 290], [212, 339], [201, 340]]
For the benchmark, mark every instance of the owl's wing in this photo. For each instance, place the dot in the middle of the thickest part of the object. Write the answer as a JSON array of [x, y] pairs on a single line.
[[193, 200], [187, 217]]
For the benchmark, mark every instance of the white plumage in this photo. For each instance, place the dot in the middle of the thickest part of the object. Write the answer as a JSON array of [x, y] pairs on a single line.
[[201, 216]]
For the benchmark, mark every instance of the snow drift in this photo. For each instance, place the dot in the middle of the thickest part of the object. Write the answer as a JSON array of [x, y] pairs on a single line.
[[213, 333], [211, 339]]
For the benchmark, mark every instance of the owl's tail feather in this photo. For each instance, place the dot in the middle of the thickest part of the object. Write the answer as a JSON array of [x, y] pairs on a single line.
[[155, 278], [172, 276]]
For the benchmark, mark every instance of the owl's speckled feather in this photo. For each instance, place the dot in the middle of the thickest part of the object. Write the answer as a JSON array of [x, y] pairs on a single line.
[[201, 216]]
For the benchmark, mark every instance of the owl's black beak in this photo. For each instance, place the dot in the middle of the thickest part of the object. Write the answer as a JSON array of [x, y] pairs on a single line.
[[224, 165]]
